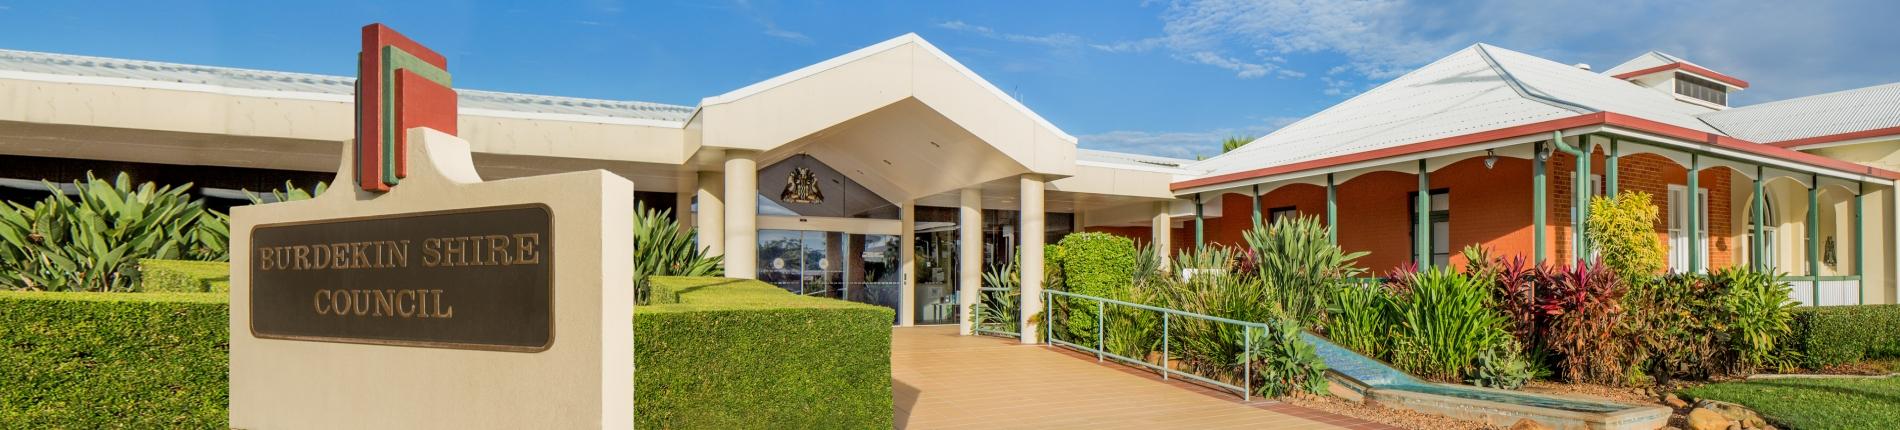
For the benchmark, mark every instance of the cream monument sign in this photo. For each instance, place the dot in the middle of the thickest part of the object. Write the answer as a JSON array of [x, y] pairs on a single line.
[[423, 296]]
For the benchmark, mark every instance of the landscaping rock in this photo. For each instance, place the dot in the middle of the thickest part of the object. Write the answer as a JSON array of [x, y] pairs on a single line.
[[1705, 419], [1675, 402], [1734, 412], [1529, 424]]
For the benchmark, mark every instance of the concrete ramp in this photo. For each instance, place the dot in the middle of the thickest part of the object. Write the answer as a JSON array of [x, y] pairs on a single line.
[[1381, 383]]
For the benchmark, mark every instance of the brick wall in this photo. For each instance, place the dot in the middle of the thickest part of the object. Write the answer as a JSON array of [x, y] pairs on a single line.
[[1489, 206]]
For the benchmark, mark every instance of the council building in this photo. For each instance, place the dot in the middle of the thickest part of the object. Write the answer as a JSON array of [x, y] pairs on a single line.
[[832, 179]]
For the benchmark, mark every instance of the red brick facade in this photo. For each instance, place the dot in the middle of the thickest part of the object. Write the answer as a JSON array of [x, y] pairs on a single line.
[[1489, 206]]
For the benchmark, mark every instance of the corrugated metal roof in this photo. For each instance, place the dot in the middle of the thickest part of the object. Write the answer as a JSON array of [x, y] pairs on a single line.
[[1127, 159], [1647, 60], [1834, 113], [262, 80], [1476, 89]]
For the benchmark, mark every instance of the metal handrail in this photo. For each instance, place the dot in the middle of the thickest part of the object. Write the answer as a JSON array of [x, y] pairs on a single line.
[[979, 327], [1167, 315]]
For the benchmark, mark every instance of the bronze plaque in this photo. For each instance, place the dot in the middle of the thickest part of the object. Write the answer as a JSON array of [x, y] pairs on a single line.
[[473, 278]]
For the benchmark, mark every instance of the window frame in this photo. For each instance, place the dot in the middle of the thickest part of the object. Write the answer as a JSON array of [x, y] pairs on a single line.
[[1438, 217]]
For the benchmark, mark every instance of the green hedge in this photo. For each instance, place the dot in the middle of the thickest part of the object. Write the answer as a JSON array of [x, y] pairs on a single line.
[[179, 276], [1832, 335], [1095, 264], [113, 360], [726, 353]]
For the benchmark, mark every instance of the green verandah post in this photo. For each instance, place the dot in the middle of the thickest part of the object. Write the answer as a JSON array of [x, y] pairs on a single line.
[[1255, 197], [1537, 201], [1694, 231], [1582, 193], [1860, 246], [1814, 237], [1610, 170], [1332, 211], [1758, 249], [1200, 238], [1421, 233]]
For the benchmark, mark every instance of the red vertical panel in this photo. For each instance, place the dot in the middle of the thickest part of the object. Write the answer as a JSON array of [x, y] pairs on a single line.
[[420, 103]]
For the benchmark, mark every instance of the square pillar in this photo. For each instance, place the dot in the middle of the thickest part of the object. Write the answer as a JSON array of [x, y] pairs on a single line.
[[1161, 232], [683, 193], [710, 195], [969, 258], [907, 263], [1030, 234], [742, 214]]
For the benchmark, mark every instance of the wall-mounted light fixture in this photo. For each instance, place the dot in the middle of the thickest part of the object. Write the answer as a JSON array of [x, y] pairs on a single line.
[[1490, 159]]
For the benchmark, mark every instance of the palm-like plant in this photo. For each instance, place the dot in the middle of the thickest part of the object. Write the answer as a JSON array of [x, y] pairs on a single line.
[[662, 248], [91, 241], [1300, 266]]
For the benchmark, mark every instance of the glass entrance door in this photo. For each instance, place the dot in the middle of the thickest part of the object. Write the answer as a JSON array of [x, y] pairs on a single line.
[[856, 267]]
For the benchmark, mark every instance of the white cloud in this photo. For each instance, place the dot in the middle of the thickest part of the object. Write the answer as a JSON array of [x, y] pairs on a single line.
[[1052, 40], [769, 26], [1178, 144], [1369, 33], [1786, 48]]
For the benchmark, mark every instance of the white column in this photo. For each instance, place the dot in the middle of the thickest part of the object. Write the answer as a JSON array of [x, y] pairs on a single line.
[[969, 257], [1161, 232], [711, 219], [683, 199], [907, 261], [742, 211], [1030, 231]]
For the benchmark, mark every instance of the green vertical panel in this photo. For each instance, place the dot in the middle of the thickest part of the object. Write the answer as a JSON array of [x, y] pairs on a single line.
[[1581, 194], [1814, 237], [1610, 170], [1421, 233], [1332, 210], [1758, 246], [1860, 248], [1200, 223], [1255, 197], [1538, 192], [1695, 214]]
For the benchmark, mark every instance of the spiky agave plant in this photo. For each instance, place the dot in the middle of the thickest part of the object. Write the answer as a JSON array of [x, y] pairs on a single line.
[[662, 248]]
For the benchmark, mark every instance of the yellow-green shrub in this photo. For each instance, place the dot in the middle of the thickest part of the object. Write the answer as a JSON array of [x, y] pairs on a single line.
[[730, 353], [113, 360], [181, 276]]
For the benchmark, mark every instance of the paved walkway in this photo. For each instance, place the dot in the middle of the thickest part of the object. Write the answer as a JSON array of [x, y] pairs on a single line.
[[942, 380]]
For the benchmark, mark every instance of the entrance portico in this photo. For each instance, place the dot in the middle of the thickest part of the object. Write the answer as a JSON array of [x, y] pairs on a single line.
[[829, 180]]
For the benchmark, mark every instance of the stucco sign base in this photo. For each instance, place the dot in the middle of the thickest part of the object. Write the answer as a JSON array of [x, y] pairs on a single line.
[[583, 379]]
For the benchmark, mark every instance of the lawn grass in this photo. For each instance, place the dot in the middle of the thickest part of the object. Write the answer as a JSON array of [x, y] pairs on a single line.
[[1858, 403]]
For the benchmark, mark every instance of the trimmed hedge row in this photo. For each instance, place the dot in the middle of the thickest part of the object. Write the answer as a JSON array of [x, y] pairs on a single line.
[[729, 353], [179, 276], [113, 360], [1833, 335], [715, 353]]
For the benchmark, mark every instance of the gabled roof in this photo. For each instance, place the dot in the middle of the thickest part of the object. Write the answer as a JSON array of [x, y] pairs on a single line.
[[1647, 60], [1478, 88], [1478, 94], [1832, 117], [1652, 62], [116, 71]]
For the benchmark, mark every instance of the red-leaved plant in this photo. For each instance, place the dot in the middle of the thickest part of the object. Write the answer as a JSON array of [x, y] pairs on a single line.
[[1584, 307]]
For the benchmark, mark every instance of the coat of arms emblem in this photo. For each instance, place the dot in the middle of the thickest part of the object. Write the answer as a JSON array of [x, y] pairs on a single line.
[[802, 187]]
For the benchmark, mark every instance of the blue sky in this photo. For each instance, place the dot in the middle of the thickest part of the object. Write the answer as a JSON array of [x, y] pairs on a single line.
[[1164, 78]]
